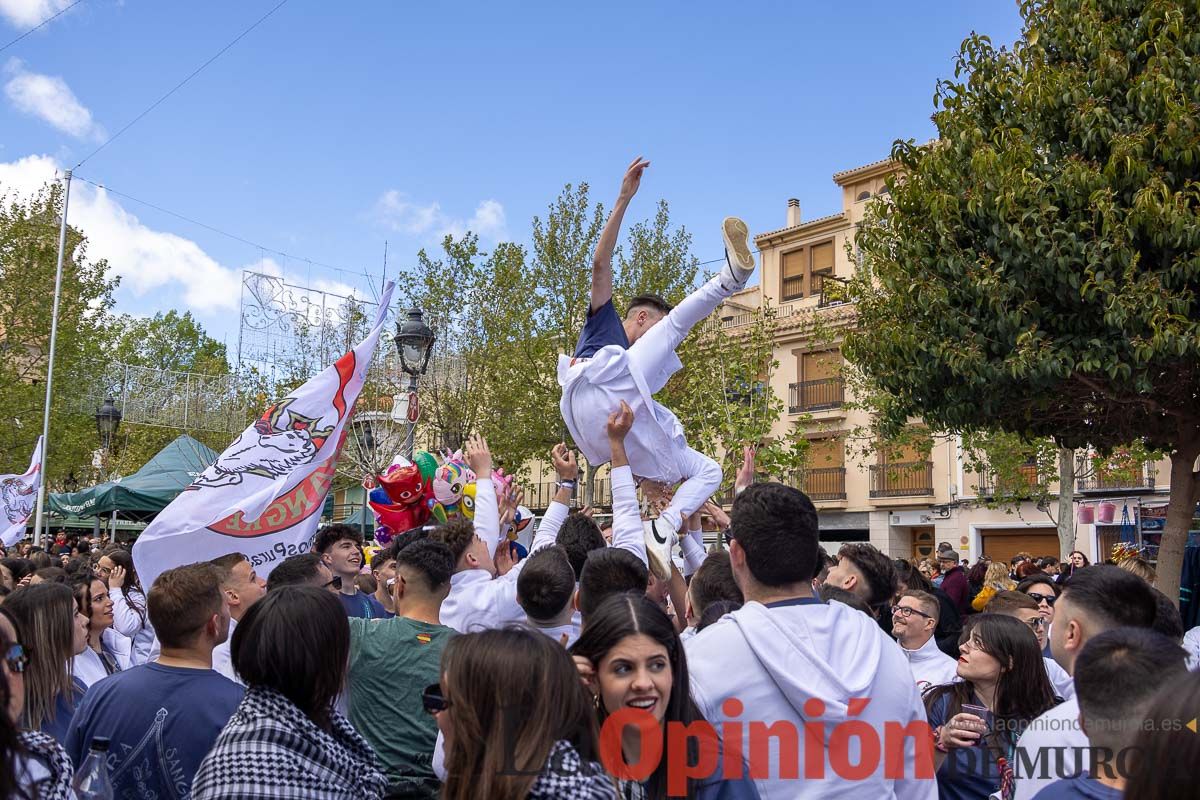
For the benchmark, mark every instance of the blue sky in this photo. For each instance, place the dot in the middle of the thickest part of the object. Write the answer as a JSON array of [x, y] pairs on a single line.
[[327, 131]]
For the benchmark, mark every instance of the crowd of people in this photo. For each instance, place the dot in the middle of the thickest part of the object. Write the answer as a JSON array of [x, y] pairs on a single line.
[[640, 660], [761, 667]]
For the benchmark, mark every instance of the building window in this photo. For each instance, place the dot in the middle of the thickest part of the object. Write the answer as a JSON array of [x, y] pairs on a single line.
[[792, 272], [822, 265], [863, 195]]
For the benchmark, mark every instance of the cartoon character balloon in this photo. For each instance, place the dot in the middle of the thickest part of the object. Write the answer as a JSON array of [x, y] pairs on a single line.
[[402, 505]]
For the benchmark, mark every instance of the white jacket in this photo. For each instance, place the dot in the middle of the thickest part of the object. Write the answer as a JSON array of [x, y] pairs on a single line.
[[775, 660], [930, 666]]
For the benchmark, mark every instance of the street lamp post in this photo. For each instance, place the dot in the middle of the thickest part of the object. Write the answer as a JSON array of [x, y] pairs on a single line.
[[414, 341], [108, 420], [366, 445]]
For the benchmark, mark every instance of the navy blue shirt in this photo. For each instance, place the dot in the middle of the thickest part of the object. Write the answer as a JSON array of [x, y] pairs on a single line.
[[602, 328], [160, 722], [64, 711], [377, 609], [1079, 788], [967, 773], [359, 605]]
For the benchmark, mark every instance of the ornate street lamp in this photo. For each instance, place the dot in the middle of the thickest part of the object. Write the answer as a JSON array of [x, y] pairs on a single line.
[[365, 434], [108, 419], [414, 341]]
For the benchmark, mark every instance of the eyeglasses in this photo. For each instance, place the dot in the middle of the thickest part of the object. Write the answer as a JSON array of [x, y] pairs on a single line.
[[973, 643], [335, 582], [1048, 599], [433, 700], [1036, 623], [907, 612], [16, 658], [105, 571]]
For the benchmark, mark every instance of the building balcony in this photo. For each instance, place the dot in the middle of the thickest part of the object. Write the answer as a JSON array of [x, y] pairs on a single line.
[[909, 479], [818, 395], [1019, 484], [826, 483], [1124, 480]]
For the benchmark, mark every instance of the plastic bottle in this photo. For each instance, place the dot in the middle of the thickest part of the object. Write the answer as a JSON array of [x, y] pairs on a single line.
[[91, 780]]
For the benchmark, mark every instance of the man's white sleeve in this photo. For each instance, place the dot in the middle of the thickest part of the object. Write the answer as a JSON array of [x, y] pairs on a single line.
[[487, 514], [628, 532], [552, 522], [694, 554]]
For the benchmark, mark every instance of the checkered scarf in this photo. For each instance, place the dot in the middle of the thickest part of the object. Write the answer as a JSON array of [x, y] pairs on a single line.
[[44, 748], [270, 750], [568, 777]]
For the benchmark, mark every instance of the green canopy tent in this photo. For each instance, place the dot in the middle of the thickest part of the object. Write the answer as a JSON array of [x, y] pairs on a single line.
[[144, 493]]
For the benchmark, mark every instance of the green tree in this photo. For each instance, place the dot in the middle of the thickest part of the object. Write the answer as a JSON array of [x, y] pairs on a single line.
[[1036, 270], [29, 230]]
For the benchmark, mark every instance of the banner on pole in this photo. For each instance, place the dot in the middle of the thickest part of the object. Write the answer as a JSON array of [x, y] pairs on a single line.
[[263, 495], [18, 497]]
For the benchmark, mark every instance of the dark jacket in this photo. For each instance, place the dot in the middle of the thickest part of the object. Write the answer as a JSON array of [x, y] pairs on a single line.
[[954, 584]]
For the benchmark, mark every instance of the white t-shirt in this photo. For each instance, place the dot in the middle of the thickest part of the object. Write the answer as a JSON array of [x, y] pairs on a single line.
[[1056, 732]]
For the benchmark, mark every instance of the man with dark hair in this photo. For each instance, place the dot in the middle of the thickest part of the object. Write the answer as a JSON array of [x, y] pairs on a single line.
[[243, 588], [627, 362], [383, 569], [393, 660], [1093, 600], [712, 582], [1021, 606], [1116, 675], [786, 657], [545, 590], [607, 572], [340, 547], [162, 718], [306, 569], [578, 536], [914, 621], [862, 569]]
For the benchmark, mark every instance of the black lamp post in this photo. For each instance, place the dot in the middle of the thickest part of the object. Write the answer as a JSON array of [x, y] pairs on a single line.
[[108, 419], [414, 341], [365, 434]]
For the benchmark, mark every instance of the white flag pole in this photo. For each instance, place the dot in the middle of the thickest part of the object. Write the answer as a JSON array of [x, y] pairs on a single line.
[[62, 247]]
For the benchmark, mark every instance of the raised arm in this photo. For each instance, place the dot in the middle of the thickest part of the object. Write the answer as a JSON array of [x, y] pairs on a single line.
[[602, 260], [567, 470], [487, 507], [628, 532]]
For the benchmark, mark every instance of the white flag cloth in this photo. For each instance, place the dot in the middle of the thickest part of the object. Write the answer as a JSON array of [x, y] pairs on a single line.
[[263, 495], [18, 496]]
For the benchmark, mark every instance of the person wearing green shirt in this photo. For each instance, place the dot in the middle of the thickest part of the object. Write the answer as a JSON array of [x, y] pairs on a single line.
[[391, 663]]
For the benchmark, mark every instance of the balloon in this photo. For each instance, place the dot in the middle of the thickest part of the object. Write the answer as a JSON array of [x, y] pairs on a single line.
[[426, 462]]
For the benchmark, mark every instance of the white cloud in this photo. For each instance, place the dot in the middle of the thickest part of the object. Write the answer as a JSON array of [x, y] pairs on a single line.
[[397, 211], [49, 99], [27, 13], [146, 260]]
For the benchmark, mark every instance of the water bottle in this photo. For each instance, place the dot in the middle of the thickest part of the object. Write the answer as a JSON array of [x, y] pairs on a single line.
[[91, 780]]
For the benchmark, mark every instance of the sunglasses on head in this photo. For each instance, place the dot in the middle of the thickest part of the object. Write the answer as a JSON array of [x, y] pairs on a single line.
[[1048, 598], [15, 658], [433, 700], [335, 582]]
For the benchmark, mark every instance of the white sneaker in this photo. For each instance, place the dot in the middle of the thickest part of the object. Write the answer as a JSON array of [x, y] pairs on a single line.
[[739, 259]]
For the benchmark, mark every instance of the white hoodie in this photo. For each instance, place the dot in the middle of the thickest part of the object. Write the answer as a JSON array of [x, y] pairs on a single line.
[[774, 660], [930, 666]]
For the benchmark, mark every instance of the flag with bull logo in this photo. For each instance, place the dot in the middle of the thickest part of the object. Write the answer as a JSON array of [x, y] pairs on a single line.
[[18, 496], [263, 495]]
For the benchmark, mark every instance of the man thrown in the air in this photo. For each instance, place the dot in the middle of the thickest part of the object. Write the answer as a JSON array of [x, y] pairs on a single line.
[[633, 358]]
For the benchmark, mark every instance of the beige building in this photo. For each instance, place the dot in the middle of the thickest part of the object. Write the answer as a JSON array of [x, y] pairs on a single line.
[[903, 500]]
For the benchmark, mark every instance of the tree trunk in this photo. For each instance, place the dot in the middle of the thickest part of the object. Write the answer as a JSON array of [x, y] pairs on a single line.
[[1185, 492], [1066, 501], [589, 486]]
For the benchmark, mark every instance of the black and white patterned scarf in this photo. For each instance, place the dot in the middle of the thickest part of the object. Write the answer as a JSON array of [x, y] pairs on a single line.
[[568, 777], [45, 749], [270, 750]]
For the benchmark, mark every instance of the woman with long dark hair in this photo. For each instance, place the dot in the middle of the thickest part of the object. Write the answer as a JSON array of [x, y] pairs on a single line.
[[1163, 770], [129, 602], [53, 632], [107, 651], [287, 739], [1075, 562], [978, 719], [516, 720], [631, 657], [33, 766]]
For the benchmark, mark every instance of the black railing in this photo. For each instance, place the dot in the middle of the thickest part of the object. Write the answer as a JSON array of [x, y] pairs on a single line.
[[817, 395], [1122, 479], [793, 288], [910, 479], [539, 495], [1025, 479], [825, 483]]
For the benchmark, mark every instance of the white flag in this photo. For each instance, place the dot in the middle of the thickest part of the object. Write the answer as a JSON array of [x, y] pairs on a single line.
[[18, 496], [263, 495]]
